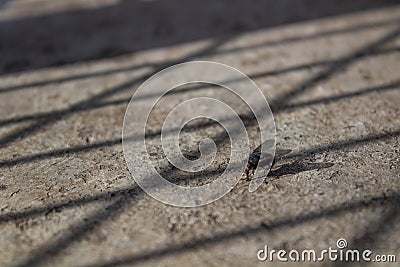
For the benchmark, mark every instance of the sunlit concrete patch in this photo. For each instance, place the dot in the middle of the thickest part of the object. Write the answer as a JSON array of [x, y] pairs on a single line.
[[67, 198]]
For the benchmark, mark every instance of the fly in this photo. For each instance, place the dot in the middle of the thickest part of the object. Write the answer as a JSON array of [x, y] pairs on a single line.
[[254, 157]]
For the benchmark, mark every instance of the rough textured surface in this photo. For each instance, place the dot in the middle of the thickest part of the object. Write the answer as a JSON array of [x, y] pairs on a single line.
[[330, 72]]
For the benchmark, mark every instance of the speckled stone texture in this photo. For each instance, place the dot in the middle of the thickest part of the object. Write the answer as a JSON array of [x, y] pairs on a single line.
[[329, 69]]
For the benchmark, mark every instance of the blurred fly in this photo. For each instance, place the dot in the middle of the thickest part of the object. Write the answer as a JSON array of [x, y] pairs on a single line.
[[255, 156]]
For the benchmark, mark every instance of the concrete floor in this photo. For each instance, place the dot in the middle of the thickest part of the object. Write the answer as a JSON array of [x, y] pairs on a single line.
[[329, 69]]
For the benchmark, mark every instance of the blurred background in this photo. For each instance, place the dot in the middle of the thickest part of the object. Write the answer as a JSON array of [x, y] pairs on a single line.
[[329, 69]]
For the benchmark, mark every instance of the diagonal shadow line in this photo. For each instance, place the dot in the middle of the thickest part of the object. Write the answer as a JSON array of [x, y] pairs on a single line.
[[325, 100], [262, 19], [64, 205], [172, 249], [345, 144], [292, 168], [309, 37], [127, 196], [39, 257], [361, 27], [340, 65], [77, 231], [220, 138], [58, 115], [108, 195], [320, 63], [95, 105], [378, 228], [117, 141], [101, 104], [75, 77], [120, 199], [64, 241]]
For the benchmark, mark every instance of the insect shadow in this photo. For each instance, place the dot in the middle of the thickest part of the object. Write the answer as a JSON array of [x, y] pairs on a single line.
[[294, 167], [297, 167]]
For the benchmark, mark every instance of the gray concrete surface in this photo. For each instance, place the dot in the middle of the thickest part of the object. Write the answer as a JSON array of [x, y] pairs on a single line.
[[330, 71]]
